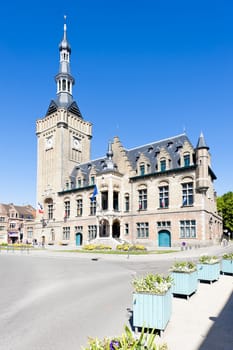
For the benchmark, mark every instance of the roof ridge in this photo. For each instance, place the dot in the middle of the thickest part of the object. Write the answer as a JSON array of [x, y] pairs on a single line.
[[149, 144]]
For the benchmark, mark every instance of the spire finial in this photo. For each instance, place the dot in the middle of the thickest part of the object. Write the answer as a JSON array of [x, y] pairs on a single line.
[[201, 142], [65, 26]]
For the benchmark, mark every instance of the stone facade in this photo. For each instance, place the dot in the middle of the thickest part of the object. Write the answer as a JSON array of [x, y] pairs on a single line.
[[160, 194]]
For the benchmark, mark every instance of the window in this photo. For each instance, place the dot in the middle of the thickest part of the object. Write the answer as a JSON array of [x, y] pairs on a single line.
[[79, 203], [92, 180], [2, 228], [115, 200], [66, 233], [78, 228], [142, 169], [187, 194], [29, 232], [93, 206], [2, 219], [163, 197], [142, 230], [92, 231], [126, 229], [67, 209], [63, 85], [52, 235], [50, 211], [127, 202], [186, 160], [104, 198], [188, 229], [162, 224], [163, 165], [12, 225], [79, 182], [142, 199]]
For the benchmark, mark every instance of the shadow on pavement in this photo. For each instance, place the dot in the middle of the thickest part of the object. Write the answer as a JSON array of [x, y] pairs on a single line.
[[220, 335]]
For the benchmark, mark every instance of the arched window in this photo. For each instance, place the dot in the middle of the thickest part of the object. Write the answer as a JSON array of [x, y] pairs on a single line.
[[63, 85]]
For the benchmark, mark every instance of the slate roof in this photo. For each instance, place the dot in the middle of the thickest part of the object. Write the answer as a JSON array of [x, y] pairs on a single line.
[[201, 142], [71, 107], [151, 150]]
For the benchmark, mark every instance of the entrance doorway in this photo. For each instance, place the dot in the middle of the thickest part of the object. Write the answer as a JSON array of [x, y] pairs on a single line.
[[164, 238], [116, 229], [79, 238], [104, 228]]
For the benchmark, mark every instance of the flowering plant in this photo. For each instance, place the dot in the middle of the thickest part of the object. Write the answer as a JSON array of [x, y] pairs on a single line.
[[183, 266], [152, 284], [207, 259], [126, 341], [228, 256]]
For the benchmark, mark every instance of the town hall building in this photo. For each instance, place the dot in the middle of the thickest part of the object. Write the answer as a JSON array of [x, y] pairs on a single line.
[[160, 194]]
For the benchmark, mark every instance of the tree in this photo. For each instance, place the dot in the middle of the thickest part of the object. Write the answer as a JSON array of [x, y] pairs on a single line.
[[225, 208]]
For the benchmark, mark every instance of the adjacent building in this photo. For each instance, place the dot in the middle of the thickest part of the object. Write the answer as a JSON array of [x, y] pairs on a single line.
[[158, 194], [16, 223]]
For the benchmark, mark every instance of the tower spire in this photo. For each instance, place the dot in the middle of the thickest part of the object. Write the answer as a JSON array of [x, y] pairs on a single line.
[[64, 79], [201, 142]]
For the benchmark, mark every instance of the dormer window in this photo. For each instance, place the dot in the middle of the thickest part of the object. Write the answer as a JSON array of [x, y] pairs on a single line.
[[186, 160], [79, 182], [162, 164], [142, 169]]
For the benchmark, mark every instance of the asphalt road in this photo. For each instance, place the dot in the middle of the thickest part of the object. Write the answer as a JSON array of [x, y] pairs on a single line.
[[56, 301]]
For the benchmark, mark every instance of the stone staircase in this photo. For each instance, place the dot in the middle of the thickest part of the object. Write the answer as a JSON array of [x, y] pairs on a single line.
[[108, 241]]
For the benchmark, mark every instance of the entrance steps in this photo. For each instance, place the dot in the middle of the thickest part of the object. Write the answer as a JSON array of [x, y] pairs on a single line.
[[108, 241]]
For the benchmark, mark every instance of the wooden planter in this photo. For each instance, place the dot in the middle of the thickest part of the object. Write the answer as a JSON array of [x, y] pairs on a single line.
[[184, 283], [208, 272], [152, 311], [227, 266]]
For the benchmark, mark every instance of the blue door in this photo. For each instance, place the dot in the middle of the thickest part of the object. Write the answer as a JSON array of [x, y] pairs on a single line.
[[164, 239], [78, 239]]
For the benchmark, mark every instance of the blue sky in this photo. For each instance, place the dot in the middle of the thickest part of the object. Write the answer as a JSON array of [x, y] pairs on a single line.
[[145, 70]]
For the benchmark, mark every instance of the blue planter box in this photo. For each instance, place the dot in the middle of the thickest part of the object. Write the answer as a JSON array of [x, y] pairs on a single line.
[[184, 283], [152, 311], [208, 272], [227, 266]]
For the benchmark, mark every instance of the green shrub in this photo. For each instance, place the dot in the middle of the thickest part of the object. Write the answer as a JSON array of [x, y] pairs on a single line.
[[152, 284], [228, 256], [183, 266], [207, 259], [96, 247], [127, 247], [127, 341]]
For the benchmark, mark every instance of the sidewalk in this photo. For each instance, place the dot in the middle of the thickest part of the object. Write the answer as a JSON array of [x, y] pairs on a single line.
[[205, 320]]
